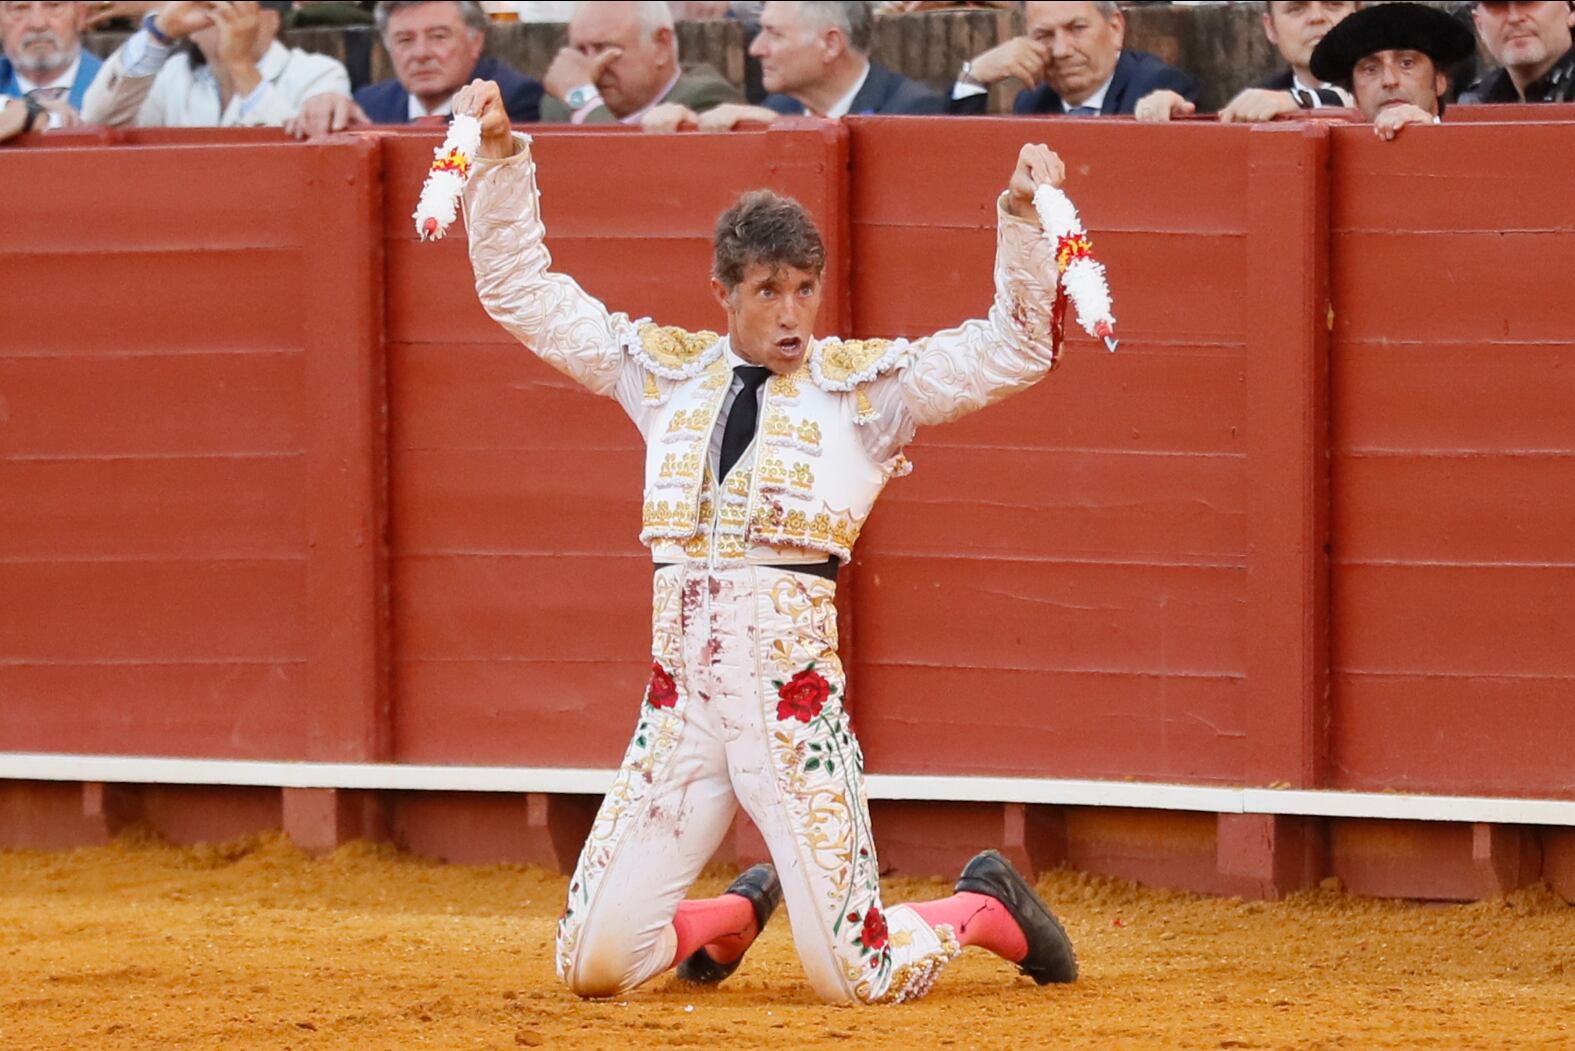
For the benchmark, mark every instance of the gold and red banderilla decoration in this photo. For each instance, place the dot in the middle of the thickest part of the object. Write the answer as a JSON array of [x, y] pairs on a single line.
[[445, 183], [1082, 276]]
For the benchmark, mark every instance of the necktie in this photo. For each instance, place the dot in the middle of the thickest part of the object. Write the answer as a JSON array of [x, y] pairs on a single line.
[[742, 417], [1082, 111]]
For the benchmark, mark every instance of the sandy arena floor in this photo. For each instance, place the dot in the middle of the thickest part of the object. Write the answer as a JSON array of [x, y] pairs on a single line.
[[253, 945]]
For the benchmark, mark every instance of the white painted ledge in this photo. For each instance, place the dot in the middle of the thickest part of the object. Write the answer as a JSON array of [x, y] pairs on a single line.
[[122, 769]]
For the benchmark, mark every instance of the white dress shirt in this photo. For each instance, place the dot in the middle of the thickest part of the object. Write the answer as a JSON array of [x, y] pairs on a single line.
[[149, 85]]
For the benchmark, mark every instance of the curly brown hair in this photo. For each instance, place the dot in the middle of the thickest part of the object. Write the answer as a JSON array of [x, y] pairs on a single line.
[[762, 227]]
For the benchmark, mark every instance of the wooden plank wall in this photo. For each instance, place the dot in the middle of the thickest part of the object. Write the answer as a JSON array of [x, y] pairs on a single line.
[[1454, 462], [1077, 553]]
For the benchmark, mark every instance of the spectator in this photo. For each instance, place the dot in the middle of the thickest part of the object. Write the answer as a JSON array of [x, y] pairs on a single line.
[[43, 56], [814, 58], [1532, 42], [1072, 61], [1394, 58], [622, 63], [1294, 27], [21, 115], [436, 50], [196, 65]]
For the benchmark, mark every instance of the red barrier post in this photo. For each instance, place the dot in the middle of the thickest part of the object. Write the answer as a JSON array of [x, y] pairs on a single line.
[[1287, 634]]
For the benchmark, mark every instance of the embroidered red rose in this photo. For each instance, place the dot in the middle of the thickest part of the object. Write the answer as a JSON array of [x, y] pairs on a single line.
[[874, 934], [803, 696], [661, 693]]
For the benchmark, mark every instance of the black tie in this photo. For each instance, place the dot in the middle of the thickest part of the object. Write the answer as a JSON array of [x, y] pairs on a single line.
[[742, 417]]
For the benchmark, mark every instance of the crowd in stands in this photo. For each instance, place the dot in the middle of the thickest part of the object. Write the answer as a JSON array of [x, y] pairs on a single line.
[[221, 63]]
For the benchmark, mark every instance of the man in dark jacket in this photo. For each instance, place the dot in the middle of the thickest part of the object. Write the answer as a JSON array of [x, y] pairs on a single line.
[[1072, 61], [436, 50], [814, 59], [1532, 42], [1294, 27]]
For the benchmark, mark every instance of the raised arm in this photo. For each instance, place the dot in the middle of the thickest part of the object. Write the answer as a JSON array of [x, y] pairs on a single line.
[[550, 313], [963, 369]]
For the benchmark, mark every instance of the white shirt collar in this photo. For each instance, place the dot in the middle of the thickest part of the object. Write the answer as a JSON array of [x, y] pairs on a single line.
[[841, 107], [634, 118], [65, 80], [1297, 84], [1097, 99], [416, 110]]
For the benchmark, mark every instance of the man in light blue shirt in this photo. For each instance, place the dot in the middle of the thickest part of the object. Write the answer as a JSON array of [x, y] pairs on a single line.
[[233, 73]]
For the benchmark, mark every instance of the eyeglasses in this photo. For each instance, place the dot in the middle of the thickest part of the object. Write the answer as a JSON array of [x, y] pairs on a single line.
[[53, 93]]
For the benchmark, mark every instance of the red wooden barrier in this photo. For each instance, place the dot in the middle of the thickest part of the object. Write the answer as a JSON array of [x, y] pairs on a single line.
[[1075, 554], [1454, 469], [179, 366], [1331, 344]]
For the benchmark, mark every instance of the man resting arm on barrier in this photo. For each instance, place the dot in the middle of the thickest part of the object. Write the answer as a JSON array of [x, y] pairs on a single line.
[[766, 450]]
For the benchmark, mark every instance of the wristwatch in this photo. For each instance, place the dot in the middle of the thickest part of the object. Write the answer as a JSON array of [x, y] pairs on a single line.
[[580, 97], [967, 77], [150, 23]]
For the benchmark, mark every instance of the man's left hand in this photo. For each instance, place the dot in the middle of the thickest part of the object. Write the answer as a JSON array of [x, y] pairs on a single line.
[[1391, 120], [1037, 165]]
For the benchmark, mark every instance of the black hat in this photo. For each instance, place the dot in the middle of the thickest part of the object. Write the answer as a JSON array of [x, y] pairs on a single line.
[[1390, 27]]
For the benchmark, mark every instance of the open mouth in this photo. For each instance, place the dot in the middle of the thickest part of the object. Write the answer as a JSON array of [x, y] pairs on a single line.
[[790, 346]]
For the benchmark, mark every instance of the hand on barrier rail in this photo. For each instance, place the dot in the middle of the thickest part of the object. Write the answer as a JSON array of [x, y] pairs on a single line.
[[326, 114]]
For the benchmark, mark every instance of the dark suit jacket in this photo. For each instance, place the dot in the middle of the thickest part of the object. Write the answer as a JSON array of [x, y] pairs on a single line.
[[699, 87], [1137, 73], [85, 73], [387, 102], [1286, 79], [883, 92]]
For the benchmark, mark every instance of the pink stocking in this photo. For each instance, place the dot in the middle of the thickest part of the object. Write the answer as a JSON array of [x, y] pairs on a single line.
[[724, 924], [978, 920]]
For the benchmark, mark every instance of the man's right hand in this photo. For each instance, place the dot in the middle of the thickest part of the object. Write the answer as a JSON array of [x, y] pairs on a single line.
[[1022, 57], [669, 117], [729, 115], [483, 99], [1162, 105], [570, 69], [325, 114], [1256, 105], [181, 18]]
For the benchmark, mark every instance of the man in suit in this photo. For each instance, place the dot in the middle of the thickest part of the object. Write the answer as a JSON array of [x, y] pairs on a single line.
[[621, 63], [1072, 61], [814, 59], [43, 57], [1294, 27], [436, 50]]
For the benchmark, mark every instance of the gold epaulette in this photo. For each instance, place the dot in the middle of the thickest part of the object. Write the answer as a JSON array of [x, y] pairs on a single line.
[[672, 353], [842, 365]]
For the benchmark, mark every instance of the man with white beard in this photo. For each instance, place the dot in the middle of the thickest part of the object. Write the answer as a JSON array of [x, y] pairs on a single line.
[[43, 56]]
